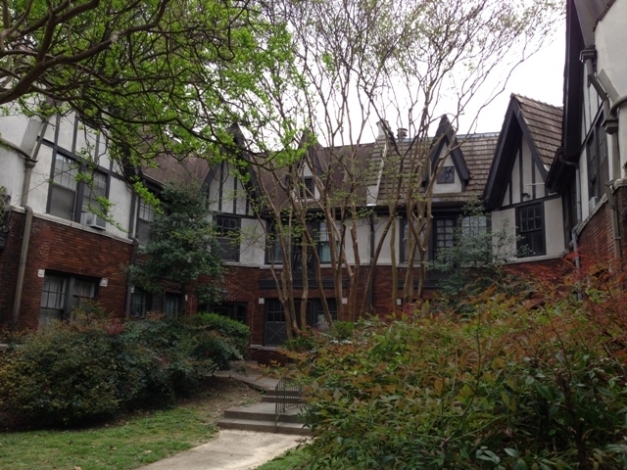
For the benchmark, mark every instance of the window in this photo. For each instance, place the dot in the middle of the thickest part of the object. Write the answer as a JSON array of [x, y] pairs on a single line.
[[145, 216], [597, 156], [307, 190], [275, 326], [141, 303], [172, 305], [62, 294], [233, 310], [227, 236], [324, 247], [530, 230], [64, 187], [443, 237], [405, 238], [274, 253], [91, 209], [66, 192], [446, 175]]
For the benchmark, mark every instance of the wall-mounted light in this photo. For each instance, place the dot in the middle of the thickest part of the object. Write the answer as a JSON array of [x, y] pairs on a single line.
[[526, 195]]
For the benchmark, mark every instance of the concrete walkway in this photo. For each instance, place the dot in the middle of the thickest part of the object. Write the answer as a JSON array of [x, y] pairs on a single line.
[[234, 450], [231, 450]]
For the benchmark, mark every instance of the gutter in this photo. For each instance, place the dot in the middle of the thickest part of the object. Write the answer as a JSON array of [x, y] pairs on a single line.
[[30, 163]]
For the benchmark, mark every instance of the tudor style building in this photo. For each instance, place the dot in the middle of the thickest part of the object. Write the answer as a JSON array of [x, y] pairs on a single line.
[[554, 178]]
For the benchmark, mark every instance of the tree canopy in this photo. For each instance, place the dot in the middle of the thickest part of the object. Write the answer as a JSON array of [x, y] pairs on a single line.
[[182, 246], [153, 75]]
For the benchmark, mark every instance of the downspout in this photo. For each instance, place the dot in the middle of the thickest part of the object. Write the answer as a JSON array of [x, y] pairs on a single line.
[[131, 230], [374, 273], [29, 164]]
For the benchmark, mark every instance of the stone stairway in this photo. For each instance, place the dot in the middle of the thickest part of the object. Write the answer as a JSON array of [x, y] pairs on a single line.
[[262, 417]]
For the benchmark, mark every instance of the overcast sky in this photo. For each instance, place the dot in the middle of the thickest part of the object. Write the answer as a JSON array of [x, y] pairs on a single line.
[[540, 78]]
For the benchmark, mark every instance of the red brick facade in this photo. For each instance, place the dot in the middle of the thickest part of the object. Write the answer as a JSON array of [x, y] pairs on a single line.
[[64, 249]]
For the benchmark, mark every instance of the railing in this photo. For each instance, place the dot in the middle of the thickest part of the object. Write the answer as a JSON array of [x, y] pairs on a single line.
[[287, 395]]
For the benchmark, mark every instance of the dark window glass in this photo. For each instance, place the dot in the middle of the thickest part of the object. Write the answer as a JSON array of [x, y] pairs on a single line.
[[530, 230], [446, 175], [145, 216], [235, 311], [598, 162], [227, 237], [172, 305]]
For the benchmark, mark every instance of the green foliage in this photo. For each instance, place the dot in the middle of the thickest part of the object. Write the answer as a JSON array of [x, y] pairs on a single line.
[[182, 247], [237, 332], [524, 384], [66, 375], [178, 73], [473, 263]]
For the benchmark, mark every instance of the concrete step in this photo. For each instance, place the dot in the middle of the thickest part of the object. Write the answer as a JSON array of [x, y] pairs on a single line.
[[264, 426], [263, 412]]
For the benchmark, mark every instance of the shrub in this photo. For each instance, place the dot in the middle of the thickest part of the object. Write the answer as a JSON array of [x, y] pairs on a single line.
[[236, 332], [60, 376], [72, 374], [523, 384]]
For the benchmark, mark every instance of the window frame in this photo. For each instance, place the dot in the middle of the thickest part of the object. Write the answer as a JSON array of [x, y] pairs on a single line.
[[521, 235], [81, 191], [446, 175], [70, 297], [224, 236], [597, 159], [144, 235]]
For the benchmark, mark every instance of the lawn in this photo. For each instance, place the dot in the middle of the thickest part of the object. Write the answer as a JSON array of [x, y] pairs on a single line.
[[293, 459], [130, 442]]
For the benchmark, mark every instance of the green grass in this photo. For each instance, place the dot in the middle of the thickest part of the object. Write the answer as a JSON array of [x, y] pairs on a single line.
[[294, 459], [137, 440], [128, 445]]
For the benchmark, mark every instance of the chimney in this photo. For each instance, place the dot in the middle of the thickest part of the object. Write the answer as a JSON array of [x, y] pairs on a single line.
[[401, 133], [384, 129]]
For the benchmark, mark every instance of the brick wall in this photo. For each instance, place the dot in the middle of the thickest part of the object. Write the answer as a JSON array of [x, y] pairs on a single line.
[[596, 241], [65, 249]]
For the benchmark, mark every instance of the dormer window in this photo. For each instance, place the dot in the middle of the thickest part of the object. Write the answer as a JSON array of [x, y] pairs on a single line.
[[446, 175], [308, 188]]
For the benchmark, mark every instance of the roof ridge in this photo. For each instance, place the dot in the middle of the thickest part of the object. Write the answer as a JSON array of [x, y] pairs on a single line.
[[518, 96]]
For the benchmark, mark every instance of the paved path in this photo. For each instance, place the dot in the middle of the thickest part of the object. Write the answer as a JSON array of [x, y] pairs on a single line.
[[234, 450], [231, 450]]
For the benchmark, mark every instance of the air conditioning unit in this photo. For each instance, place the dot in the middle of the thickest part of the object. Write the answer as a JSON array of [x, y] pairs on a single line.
[[93, 221]]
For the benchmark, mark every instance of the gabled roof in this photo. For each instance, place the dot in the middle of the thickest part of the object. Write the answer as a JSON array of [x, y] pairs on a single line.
[[540, 124], [448, 139]]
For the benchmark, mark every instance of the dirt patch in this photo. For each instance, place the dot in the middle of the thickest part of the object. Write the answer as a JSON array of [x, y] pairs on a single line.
[[219, 394]]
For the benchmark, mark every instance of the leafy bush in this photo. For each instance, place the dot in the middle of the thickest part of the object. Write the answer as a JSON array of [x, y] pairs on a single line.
[[72, 374], [234, 332], [534, 383], [60, 376]]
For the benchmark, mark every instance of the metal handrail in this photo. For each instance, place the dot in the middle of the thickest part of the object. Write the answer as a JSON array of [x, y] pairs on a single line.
[[287, 395]]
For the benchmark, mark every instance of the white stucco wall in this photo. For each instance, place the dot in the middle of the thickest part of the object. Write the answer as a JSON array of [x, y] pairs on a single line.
[[21, 131], [611, 38], [455, 187], [505, 221]]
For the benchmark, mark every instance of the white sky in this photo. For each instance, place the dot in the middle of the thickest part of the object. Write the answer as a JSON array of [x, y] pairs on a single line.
[[541, 78]]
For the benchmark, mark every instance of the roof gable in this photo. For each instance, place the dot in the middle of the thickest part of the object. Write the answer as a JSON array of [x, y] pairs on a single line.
[[540, 124], [445, 137]]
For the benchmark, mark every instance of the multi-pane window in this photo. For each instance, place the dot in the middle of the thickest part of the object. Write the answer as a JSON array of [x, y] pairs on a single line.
[[74, 200], [234, 310], [446, 175], [324, 247], [443, 236], [62, 294], [598, 164], [406, 236], [274, 253], [64, 187], [145, 216], [275, 325], [92, 210], [227, 237], [530, 230], [172, 305], [141, 303]]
